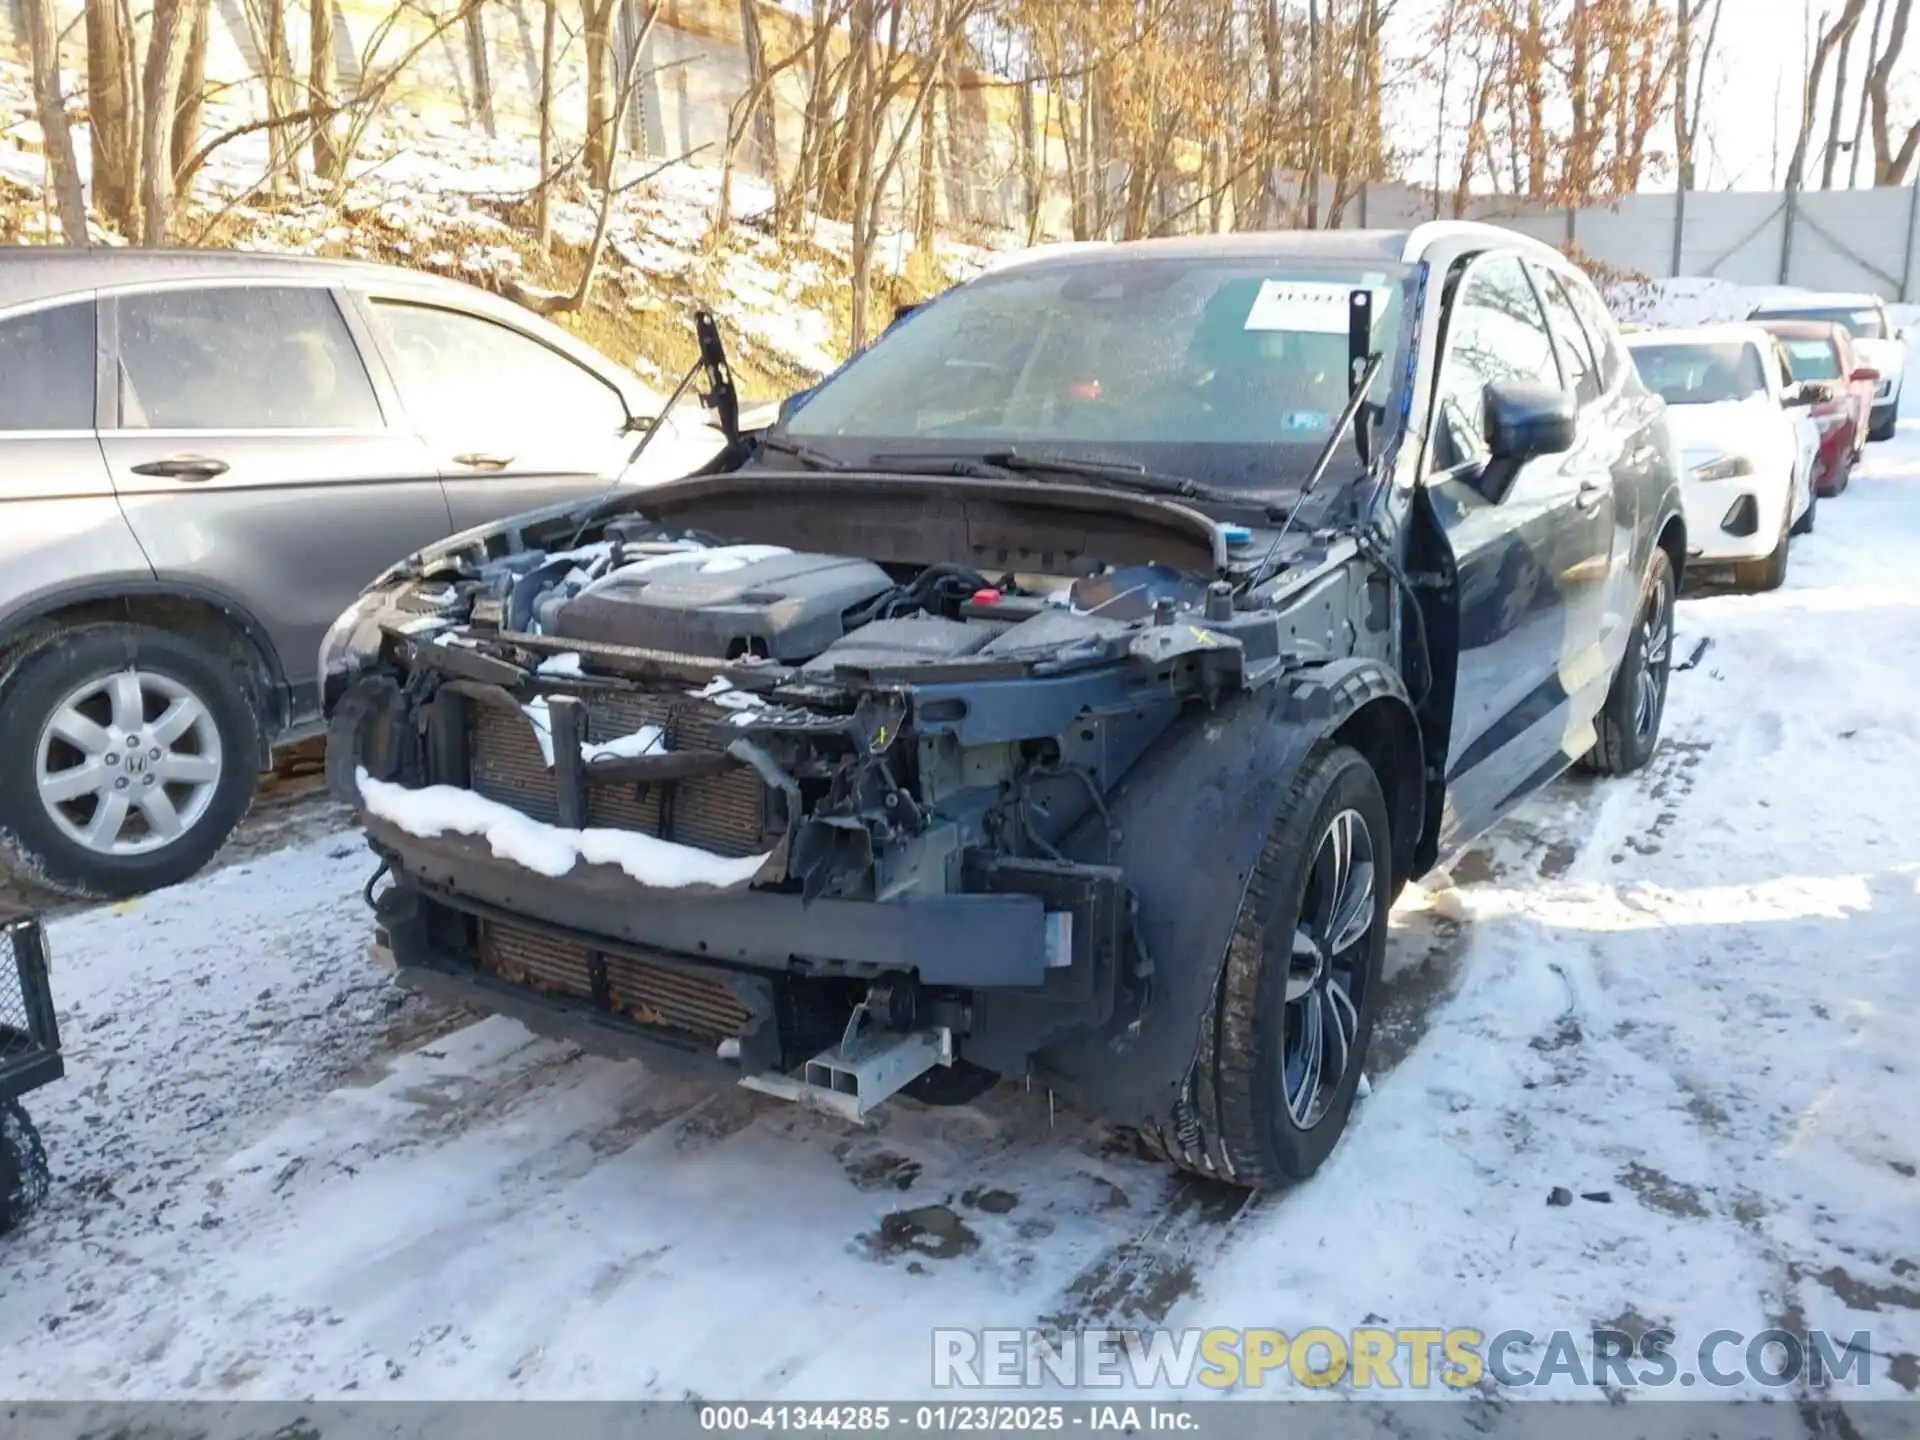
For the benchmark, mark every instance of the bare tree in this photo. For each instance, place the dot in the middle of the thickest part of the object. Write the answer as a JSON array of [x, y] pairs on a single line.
[[543, 192], [167, 42], [114, 109], [1866, 91], [43, 47], [1891, 158], [328, 160], [1831, 37]]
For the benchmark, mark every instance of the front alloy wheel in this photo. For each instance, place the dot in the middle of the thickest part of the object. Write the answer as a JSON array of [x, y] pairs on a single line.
[[1321, 1025], [127, 756], [1282, 1052]]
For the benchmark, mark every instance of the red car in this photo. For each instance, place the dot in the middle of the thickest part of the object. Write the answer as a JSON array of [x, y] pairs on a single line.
[[1822, 361]]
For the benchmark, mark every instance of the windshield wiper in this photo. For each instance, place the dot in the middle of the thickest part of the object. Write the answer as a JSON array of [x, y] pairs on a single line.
[[805, 454], [1119, 474]]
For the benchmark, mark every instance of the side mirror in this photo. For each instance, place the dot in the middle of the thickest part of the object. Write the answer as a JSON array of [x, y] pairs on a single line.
[[1800, 397], [1865, 375], [1525, 421]]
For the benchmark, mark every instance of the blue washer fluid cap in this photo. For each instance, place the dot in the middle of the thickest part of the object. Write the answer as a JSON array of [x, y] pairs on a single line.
[[1237, 534]]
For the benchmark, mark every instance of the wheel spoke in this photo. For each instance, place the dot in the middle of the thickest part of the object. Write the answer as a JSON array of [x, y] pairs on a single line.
[[157, 806], [180, 769], [1353, 916], [1338, 1045], [1308, 959], [109, 818], [178, 718], [1300, 1097], [78, 731], [61, 787], [129, 703]]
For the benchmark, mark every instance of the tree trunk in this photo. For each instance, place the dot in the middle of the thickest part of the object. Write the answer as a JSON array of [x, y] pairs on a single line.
[[110, 102], [1832, 152], [1533, 84], [598, 20], [43, 45], [1835, 35], [1860, 115], [193, 95], [328, 163], [1890, 159], [858, 148], [543, 194], [173, 23], [478, 65]]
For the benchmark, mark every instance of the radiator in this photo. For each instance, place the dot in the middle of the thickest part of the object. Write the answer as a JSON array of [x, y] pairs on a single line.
[[656, 995], [725, 814]]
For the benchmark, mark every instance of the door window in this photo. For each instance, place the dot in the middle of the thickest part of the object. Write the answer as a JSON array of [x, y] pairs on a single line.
[[1570, 339], [46, 369], [241, 358], [1496, 332], [459, 374], [1609, 349]]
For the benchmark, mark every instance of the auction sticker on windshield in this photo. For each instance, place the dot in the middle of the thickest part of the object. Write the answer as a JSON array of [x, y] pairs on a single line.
[[1312, 306]]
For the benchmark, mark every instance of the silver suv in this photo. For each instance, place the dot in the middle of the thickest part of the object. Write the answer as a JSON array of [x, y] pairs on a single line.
[[203, 457]]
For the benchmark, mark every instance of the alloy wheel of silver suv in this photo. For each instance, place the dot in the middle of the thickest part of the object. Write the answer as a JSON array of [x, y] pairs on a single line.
[[127, 757]]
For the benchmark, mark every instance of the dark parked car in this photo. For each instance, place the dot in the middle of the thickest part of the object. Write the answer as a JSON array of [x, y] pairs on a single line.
[[1066, 689], [203, 455]]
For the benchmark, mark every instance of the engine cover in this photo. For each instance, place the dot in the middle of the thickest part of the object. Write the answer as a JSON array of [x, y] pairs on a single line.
[[725, 602]]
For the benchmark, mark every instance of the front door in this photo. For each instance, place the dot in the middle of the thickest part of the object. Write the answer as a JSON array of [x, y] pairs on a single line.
[[513, 424], [253, 460], [1533, 570]]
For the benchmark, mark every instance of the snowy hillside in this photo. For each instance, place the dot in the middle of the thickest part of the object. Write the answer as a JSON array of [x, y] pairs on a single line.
[[452, 200]]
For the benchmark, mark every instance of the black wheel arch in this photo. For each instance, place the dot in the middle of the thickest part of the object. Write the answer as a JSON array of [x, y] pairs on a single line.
[[186, 607], [1192, 818]]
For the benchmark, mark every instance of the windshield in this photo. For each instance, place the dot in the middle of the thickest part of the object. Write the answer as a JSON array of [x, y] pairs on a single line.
[[1701, 374], [1229, 371], [1865, 323], [1812, 359]]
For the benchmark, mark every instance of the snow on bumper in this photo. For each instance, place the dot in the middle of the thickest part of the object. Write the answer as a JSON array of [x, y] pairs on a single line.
[[498, 861], [547, 849]]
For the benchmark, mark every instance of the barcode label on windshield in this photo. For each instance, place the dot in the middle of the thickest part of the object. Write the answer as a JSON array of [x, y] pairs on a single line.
[[1314, 307]]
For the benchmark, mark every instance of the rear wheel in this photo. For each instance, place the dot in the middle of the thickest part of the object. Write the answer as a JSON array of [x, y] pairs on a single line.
[[1282, 1054], [1883, 429], [1628, 728], [127, 756]]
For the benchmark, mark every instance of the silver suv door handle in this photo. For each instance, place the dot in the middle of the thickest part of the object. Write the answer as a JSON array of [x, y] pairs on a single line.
[[183, 467], [1591, 493], [483, 460]]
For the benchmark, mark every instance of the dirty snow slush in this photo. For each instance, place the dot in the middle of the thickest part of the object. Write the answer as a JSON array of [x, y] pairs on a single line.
[[1693, 993]]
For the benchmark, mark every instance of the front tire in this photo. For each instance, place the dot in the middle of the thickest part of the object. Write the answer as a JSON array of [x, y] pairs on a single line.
[[1628, 726], [1770, 571], [127, 757], [1282, 1052], [1880, 430], [1804, 525]]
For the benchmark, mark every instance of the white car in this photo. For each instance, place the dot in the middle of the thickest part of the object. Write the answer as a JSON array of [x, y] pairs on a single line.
[[1747, 447], [1877, 342]]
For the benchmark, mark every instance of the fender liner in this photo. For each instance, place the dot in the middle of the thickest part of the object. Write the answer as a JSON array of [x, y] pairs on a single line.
[[1192, 819]]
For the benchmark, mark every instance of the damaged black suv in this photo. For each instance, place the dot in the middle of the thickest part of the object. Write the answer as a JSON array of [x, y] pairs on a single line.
[[1065, 688]]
